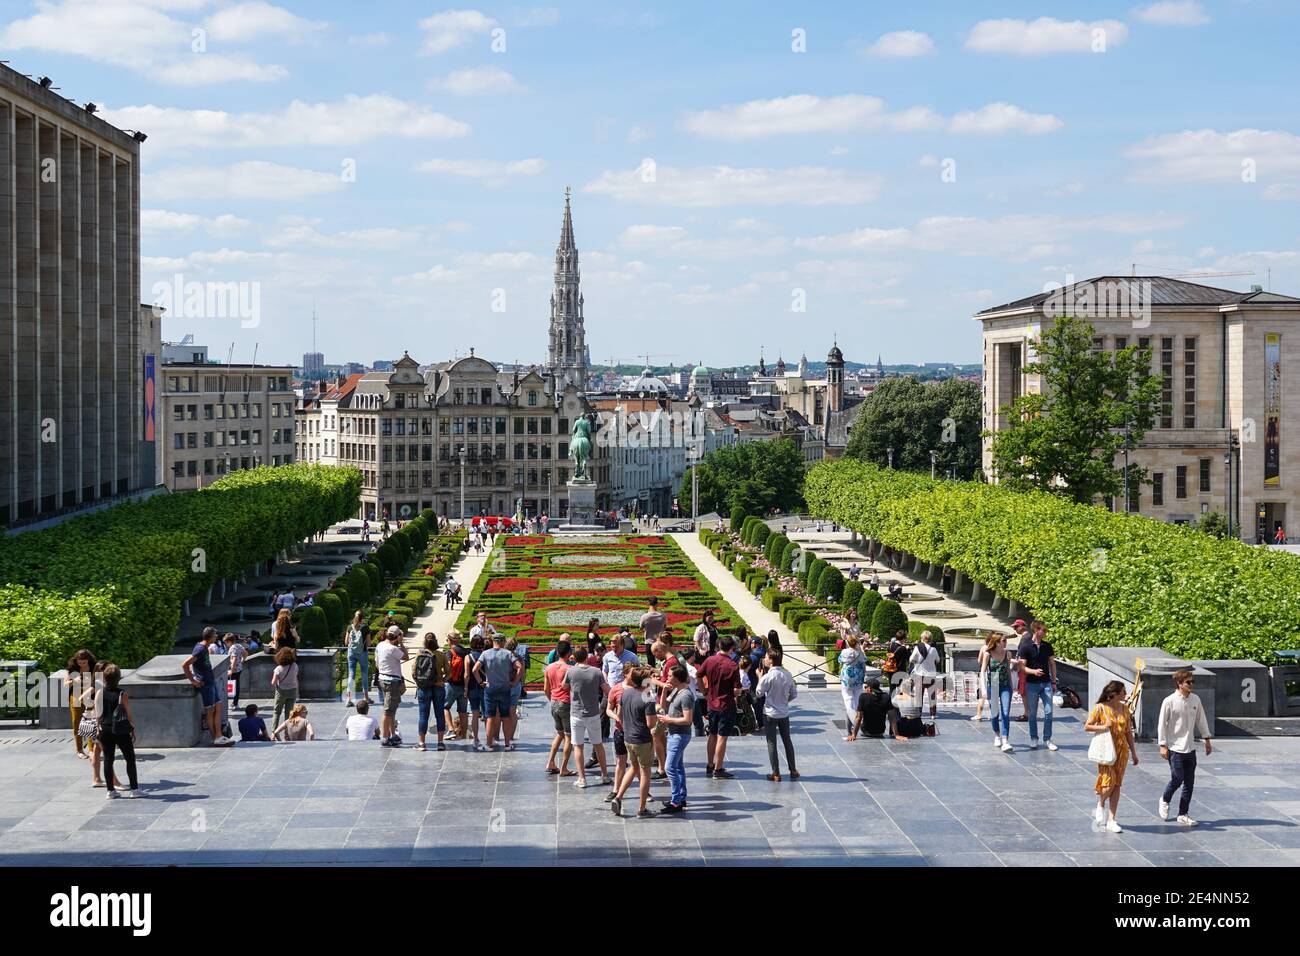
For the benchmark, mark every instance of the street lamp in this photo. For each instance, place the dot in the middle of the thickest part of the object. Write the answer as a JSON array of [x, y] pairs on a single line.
[[890, 449], [934, 457], [461, 455]]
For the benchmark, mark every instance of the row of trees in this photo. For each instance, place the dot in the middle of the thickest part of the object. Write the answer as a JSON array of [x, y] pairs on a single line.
[[751, 478]]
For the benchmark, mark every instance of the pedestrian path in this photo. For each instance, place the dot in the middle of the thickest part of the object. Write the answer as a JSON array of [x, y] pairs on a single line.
[[799, 661], [437, 617]]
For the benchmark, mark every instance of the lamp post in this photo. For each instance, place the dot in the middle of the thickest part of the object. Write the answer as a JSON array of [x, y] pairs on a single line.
[[695, 487], [461, 455], [1227, 486], [934, 457], [890, 449]]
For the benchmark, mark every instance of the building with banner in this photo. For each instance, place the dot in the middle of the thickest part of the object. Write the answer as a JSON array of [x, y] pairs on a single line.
[[1220, 441]]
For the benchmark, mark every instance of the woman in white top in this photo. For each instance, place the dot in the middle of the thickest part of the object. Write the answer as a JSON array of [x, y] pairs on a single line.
[[777, 689], [925, 665], [853, 675]]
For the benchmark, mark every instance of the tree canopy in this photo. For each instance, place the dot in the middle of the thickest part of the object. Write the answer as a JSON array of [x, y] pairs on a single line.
[[755, 476], [914, 419]]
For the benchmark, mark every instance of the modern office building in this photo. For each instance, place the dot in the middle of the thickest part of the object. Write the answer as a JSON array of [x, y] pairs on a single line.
[[1220, 438], [77, 349]]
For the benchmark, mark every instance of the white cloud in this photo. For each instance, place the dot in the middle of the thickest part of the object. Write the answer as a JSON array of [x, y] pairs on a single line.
[[354, 119], [1044, 35], [479, 81], [296, 235], [165, 221], [370, 39], [1173, 13], [792, 115], [251, 21], [1004, 118], [1282, 191], [489, 171], [676, 241], [902, 43], [928, 161], [638, 134], [535, 17], [452, 28], [705, 186], [136, 34], [1206, 155], [248, 180]]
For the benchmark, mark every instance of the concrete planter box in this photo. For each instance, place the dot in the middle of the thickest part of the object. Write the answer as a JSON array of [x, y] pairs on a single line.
[[167, 708], [317, 675], [1241, 688], [1118, 663]]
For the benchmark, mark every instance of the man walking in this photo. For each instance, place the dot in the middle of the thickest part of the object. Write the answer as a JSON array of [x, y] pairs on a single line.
[[777, 689], [1040, 681], [389, 657], [722, 684], [498, 670], [557, 692], [638, 713], [198, 671], [678, 715], [652, 622], [1182, 717], [586, 687]]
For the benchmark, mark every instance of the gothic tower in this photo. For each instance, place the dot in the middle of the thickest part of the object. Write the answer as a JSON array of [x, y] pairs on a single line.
[[568, 352]]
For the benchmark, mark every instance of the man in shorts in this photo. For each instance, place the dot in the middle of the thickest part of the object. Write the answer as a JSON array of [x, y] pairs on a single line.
[[722, 679], [459, 665], [389, 657], [586, 687], [557, 692], [637, 707], [498, 669], [198, 670]]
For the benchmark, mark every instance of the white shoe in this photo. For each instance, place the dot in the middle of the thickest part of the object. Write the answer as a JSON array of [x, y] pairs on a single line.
[[1113, 827], [581, 783], [112, 795], [977, 717], [1052, 747], [130, 794], [1185, 820], [997, 742], [1098, 818], [1033, 745], [1007, 748], [1163, 811]]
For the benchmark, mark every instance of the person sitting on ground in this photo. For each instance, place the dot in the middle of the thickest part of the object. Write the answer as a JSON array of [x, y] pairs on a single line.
[[252, 728], [875, 711], [907, 698], [296, 727], [361, 726]]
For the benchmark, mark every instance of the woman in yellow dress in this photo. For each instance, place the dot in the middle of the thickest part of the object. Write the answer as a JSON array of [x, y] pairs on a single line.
[[1111, 716]]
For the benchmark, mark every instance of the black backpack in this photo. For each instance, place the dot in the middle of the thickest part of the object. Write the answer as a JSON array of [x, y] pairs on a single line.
[[1069, 696], [426, 671]]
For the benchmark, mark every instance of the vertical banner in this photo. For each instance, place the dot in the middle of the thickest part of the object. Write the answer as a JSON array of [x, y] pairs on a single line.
[[149, 398], [1272, 409]]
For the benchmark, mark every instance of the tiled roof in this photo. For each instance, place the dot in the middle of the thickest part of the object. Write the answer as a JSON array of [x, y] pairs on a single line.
[[1164, 291]]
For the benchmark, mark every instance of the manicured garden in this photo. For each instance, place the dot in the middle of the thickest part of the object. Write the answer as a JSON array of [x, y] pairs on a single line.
[[539, 587], [1096, 578]]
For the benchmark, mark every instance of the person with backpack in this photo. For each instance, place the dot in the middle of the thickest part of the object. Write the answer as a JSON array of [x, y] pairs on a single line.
[[431, 672], [357, 645], [925, 669], [474, 689], [853, 674], [457, 691], [897, 653], [116, 729], [778, 690]]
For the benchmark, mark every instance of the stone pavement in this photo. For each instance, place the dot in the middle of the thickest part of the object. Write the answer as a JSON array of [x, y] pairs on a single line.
[[949, 800]]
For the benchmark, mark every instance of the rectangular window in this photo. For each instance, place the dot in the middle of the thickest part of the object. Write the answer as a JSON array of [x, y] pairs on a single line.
[[386, 428], [1205, 475], [532, 426], [501, 424], [564, 426], [257, 409], [401, 426], [1189, 381], [471, 426], [486, 396], [519, 426], [1158, 488], [519, 452], [546, 426], [444, 427], [1098, 343], [472, 396], [192, 440], [399, 400], [178, 413], [546, 451], [1180, 482], [191, 468], [1121, 342], [458, 396], [1167, 382], [458, 426], [178, 441]]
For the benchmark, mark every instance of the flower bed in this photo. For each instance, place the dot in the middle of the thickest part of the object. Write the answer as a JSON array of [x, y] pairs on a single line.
[[535, 590]]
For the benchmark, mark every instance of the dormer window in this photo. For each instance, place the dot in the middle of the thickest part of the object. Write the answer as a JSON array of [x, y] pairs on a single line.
[[532, 398]]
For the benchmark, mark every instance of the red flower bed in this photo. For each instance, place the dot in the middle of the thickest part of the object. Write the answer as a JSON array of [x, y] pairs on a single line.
[[511, 585], [647, 540], [522, 540], [673, 584]]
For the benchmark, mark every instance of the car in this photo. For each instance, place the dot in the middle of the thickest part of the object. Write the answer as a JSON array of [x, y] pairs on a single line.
[[677, 528]]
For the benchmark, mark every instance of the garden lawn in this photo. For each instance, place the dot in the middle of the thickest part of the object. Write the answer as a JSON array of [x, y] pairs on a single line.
[[538, 588]]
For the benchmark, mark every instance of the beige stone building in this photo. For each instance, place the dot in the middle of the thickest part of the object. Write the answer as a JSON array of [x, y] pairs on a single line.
[[1230, 363]]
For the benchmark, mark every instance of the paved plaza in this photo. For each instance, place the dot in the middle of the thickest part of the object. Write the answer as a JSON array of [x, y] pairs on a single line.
[[949, 800]]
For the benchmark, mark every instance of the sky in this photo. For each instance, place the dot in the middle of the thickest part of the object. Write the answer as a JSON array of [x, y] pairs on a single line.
[[745, 177]]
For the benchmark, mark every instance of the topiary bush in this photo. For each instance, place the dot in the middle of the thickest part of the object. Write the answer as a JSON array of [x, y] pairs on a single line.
[[831, 585], [314, 627], [738, 517], [760, 535], [853, 591], [329, 602], [866, 611], [887, 619], [787, 557]]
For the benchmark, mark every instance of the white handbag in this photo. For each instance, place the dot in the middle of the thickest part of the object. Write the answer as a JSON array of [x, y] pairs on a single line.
[[1102, 749]]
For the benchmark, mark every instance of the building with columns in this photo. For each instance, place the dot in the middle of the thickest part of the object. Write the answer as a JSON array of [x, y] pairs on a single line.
[[1226, 358]]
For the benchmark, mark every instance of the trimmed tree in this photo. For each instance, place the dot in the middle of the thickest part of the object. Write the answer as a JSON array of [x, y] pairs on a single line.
[[887, 619], [853, 591], [314, 627], [866, 611]]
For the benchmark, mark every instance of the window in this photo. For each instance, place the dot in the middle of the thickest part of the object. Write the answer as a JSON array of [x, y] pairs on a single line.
[[519, 476], [501, 425], [1167, 382], [387, 454], [546, 426], [257, 409], [546, 451], [1158, 488], [257, 436], [564, 426], [386, 428], [1180, 482], [444, 427], [519, 426], [564, 451], [1205, 475], [399, 400], [178, 441], [401, 453], [191, 468], [1189, 381], [471, 426], [519, 452], [471, 396], [532, 398], [458, 426], [532, 451], [458, 396], [243, 409], [1121, 342], [220, 410], [444, 479], [532, 426], [1098, 343], [192, 440], [178, 413], [486, 396], [275, 410], [207, 439]]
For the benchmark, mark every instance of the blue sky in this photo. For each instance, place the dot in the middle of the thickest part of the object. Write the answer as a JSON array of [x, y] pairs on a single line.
[[911, 165]]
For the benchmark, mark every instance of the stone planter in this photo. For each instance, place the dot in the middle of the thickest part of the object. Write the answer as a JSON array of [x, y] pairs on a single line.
[[317, 675], [167, 708]]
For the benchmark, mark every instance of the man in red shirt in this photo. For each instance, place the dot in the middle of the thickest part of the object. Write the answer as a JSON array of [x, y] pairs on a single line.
[[722, 679], [557, 692]]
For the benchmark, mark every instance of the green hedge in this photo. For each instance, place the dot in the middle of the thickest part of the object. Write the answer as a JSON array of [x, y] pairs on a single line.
[[887, 619], [313, 627], [114, 581], [815, 633], [853, 591], [1096, 578], [738, 517], [867, 611]]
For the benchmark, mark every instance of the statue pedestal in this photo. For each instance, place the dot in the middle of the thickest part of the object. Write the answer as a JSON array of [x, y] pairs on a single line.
[[582, 502]]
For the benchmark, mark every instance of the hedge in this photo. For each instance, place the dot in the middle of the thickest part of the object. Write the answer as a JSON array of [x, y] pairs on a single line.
[[867, 610], [313, 627], [787, 556], [114, 581], [887, 619], [815, 632], [853, 591], [761, 533], [1096, 578], [334, 616], [737, 518], [831, 585]]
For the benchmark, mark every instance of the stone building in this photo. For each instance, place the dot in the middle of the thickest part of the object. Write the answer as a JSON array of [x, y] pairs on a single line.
[[1226, 358], [77, 351]]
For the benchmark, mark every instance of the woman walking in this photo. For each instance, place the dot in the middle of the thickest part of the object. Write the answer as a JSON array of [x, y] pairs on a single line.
[[81, 674], [358, 659], [1111, 716], [853, 674], [284, 680], [237, 654], [995, 682], [678, 715], [116, 729], [777, 690]]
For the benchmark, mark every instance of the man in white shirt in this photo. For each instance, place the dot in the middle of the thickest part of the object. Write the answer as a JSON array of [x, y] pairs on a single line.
[[482, 629], [389, 657], [361, 726], [777, 688], [1182, 717]]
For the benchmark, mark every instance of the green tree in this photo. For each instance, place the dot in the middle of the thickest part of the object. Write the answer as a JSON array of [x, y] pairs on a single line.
[[1214, 524], [753, 477], [1065, 439], [915, 418], [887, 619]]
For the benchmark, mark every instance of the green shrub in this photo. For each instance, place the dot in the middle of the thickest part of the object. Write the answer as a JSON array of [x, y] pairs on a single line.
[[853, 591], [313, 627], [833, 662], [738, 517], [831, 585], [345, 603], [867, 610], [887, 619], [376, 575], [787, 557], [329, 602], [358, 584], [789, 608], [761, 533], [815, 632], [389, 558]]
